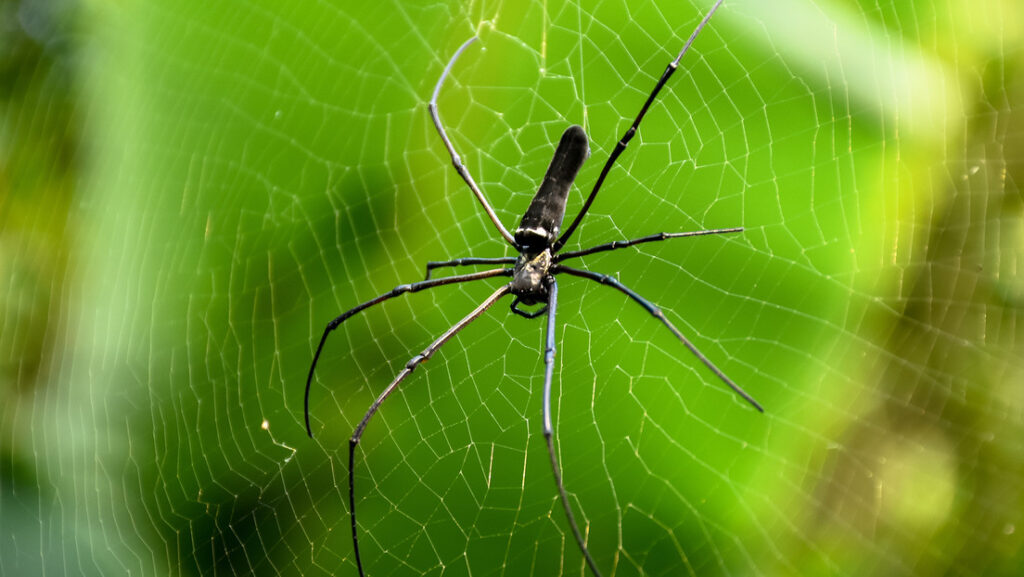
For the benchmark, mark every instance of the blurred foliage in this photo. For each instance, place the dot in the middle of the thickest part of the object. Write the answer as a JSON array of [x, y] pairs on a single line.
[[38, 172], [190, 190], [37, 144]]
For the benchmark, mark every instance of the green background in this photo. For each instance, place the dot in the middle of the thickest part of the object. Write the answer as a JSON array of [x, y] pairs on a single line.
[[189, 191]]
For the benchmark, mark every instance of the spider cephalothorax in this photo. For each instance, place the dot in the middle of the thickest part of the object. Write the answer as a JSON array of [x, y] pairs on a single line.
[[533, 275], [530, 280]]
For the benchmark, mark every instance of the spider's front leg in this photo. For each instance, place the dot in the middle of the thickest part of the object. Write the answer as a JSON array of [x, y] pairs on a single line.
[[650, 307], [549, 431], [357, 435], [398, 290]]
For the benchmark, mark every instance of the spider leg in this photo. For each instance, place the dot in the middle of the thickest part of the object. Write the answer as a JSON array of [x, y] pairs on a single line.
[[656, 312], [456, 160], [401, 289], [469, 261], [549, 367], [409, 368], [615, 244], [624, 141], [526, 314]]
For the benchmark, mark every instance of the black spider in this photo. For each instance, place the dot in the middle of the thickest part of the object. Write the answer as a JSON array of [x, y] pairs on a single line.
[[533, 274]]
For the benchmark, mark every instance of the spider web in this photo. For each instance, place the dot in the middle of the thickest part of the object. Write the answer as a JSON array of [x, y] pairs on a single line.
[[245, 171]]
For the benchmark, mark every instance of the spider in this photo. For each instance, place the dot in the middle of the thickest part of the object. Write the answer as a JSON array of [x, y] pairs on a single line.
[[533, 275]]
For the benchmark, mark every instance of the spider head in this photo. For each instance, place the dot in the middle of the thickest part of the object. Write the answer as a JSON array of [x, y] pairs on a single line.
[[529, 276]]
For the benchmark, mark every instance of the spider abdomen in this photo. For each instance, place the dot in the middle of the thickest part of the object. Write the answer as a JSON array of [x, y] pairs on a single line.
[[540, 225]]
